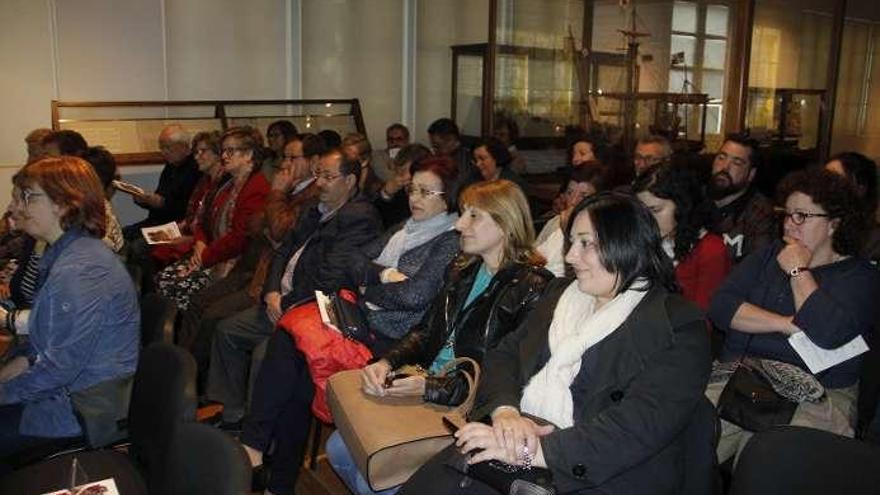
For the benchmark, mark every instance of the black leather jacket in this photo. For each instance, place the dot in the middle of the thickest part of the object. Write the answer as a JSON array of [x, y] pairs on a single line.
[[498, 311]]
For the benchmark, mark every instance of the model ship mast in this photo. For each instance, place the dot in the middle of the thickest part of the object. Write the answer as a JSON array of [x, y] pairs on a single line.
[[632, 83]]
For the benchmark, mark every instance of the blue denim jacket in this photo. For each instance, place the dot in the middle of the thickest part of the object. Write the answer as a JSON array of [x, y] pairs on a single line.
[[84, 329]]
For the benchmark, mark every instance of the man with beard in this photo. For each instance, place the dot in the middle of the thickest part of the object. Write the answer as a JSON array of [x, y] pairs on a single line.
[[742, 215]]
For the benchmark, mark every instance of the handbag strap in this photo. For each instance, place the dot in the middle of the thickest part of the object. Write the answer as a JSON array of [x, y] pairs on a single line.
[[472, 379]]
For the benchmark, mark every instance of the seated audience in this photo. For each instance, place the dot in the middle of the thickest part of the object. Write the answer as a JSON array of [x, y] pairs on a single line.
[[611, 364], [507, 132], [104, 165], [674, 195], [489, 291], [331, 138], [591, 178], [315, 255], [812, 281], [206, 150], [399, 274], [293, 190], [35, 147], [357, 148], [64, 143], [650, 151], [277, 135], [223, 232], [393, 200], [861, 171], [84, 325], [582, 149], [445, 139], [740, 214], [176, 183], [396, 138], [492, 160]]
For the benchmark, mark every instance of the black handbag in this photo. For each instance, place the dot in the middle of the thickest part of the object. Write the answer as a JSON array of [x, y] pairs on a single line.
[[102, 410], [749, 401], [350, 317]]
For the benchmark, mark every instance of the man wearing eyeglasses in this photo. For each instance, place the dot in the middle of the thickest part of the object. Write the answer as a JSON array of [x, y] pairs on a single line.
[[176, 183], [743, 216], [315, 255]]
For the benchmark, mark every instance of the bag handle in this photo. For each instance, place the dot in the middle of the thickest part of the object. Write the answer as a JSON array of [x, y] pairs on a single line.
[[473, 380]]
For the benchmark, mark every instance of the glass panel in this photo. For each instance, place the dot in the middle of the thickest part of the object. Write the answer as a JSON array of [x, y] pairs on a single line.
[[716, 20], [858, 93], [713, 84], [469, 94], [714, 54], [684, 17], [686, 44]]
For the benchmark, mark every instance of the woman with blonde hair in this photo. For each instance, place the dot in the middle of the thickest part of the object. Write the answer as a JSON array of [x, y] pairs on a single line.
[[491, 286]]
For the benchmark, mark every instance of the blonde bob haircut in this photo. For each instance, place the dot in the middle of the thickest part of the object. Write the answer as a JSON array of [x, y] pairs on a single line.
[[505, 202]]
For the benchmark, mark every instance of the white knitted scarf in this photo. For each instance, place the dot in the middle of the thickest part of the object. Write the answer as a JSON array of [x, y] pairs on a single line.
[[576, 327]]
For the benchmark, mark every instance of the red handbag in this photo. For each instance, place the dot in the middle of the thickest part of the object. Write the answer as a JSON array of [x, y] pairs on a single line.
[[326, 350]]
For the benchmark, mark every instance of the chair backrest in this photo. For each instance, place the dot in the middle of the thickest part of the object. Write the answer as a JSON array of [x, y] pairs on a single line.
[[157, 319], [206, 461], [806, 461], [869, 390], [701, 462], [163, 397]]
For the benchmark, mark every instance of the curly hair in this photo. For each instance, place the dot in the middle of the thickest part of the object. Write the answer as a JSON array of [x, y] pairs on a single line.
[[679, 184], [837, 196], [72, 184], [862, 171]]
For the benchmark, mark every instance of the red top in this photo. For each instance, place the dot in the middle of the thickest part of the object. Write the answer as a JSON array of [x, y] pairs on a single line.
[[250, 201], [703, 270]]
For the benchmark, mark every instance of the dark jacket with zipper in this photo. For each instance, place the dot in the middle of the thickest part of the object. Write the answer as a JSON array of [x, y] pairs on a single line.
[[498, 311], [634, 395]]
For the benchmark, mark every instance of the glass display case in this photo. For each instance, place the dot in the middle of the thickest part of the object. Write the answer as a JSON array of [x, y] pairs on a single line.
[[129, 129]]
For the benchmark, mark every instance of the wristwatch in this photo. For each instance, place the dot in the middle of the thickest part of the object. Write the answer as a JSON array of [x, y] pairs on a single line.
[[794, 272]]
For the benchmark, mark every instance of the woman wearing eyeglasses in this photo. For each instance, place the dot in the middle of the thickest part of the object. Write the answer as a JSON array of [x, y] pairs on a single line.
[[812, 281], [223, 232], [83, 327], [399, 275]]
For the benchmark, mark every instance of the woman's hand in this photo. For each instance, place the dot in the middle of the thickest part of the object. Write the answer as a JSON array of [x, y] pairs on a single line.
[[391, 275], [195, 260], [793, 255], [13, 368], [411, 386], [373, 377], [515, 432], [273, 306]]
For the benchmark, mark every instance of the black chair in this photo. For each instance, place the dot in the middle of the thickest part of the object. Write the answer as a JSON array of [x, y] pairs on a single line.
[[158, 315], [163, 397], [206, 461], [700, 459], [806, 461]]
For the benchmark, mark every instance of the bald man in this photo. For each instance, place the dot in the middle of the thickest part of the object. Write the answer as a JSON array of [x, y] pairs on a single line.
[[168, 203]]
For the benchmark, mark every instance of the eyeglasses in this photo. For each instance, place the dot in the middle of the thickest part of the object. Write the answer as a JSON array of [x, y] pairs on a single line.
[[232, 149], [23, 197], [798, 217], [421, 191], [292, 157], [326, 177]]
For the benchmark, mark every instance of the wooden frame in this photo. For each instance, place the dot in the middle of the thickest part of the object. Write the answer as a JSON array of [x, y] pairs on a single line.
[[221, 113]]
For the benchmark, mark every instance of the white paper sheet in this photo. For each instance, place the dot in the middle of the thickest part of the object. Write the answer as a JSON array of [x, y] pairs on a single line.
[[108, 485], [819, 359]]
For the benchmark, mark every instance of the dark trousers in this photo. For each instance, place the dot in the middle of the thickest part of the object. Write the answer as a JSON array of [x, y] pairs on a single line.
[[280, 411], [439, 477], [13, 443]]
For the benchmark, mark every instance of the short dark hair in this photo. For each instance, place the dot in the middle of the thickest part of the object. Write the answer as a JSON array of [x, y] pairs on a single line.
[[331, 138], [313, 145], [398, 126], [444, 168], [749, 142], [862, 172], [497, 150], [837, 196], [599, 144], [70, 143], [594, 172], [502, 121], [679, 184], [285, 127], [444, 127], [103, 163], [628, 240], [346, 167], [410, 153]]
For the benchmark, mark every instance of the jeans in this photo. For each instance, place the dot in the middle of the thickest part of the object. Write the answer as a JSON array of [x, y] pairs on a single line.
[[343, 463]]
